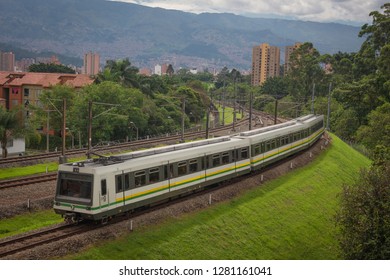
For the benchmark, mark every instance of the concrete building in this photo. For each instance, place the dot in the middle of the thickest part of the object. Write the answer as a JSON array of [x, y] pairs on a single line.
[[91, 64], [7, 61], [287, 54], [158, 70], [265, 63]]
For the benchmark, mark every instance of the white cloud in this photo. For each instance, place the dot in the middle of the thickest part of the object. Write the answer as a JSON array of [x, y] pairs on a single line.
[[314, 10]]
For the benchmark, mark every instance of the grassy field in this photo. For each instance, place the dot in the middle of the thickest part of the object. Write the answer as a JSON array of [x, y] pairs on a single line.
[[228, 114], [13, 172], [288, 218], [28, 222]]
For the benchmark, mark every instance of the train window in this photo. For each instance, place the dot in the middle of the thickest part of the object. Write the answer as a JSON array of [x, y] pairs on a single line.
[[273, 144], [225, 158], [203, 160], [103, 184], [193, 165], [154, 175], [216, 160], [257, 149], [267, 146], [127, 182], [171, 173], [244, 153], [182, 168], [75, 185], [140, 178], [119, 184], [165, 172]]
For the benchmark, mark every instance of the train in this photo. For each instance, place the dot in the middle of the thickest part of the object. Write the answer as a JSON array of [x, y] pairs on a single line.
[[101, 188]]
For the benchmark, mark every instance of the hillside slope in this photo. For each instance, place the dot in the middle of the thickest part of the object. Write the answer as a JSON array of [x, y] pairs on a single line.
[[146, 35], [288, 218]]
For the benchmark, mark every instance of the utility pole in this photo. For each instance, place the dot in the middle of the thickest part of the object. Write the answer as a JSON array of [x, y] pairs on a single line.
[[223, 104], [250, 110], [89, 128], [328, 115], [47, 131], [234, 106], [63, 132], [207, 121], [183, 113], [276, 111], [312, 99]]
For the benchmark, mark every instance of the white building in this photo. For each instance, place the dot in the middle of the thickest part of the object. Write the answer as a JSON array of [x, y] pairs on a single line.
[[157, 69], [15, 147]]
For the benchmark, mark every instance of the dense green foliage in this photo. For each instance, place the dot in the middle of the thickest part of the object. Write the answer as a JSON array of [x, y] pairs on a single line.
[[50, 68], [364, 217], [288, 218], [9, 127]]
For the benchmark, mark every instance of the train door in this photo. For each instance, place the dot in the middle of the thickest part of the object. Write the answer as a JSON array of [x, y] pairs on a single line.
[[103, 193], [122, 186]]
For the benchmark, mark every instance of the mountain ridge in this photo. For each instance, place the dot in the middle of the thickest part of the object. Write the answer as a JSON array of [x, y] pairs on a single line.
[[155, 35]]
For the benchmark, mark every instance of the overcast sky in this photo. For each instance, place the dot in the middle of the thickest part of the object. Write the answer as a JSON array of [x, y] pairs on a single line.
[[314, 10]]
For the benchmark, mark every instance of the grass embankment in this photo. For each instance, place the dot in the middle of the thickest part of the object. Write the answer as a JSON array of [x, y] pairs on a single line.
[[288, 218]]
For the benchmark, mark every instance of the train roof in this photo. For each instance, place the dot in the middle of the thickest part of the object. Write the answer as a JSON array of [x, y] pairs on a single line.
[[110, 160], [279, 127]]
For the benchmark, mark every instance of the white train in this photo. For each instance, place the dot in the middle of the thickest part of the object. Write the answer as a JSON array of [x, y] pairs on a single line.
[[101, 188]]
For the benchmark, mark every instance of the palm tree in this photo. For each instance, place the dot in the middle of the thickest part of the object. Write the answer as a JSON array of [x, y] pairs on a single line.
[[120, 71], [9, 127]]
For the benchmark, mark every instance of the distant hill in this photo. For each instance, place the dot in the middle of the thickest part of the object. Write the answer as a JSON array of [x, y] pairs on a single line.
[[153, 35]]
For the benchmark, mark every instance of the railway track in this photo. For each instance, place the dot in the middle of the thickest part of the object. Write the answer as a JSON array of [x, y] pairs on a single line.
[[22, 243], [10, 183]]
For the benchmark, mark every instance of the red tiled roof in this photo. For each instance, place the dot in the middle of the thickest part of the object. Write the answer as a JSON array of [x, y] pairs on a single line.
[[45, 80]]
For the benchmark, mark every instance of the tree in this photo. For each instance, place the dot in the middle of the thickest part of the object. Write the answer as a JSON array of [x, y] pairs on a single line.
[[364, 215], [170, 70], [10, 126], [275, 86], [50, 68], [120, 71], [377, 131], [305, 71]]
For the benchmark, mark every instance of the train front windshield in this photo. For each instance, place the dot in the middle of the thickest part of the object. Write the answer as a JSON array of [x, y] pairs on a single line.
[[74, 187]]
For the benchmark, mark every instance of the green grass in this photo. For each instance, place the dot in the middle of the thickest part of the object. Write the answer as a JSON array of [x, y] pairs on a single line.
[[28, 222], [228, 114], [13, 172], [288, 218]]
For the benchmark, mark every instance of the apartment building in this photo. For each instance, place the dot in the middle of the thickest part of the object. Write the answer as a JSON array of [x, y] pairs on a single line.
[[7, 61], [287, 54], [265, 63], [91, 64]]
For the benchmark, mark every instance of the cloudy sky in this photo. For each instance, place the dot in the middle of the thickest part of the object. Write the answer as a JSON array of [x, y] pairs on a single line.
[[354, 11]]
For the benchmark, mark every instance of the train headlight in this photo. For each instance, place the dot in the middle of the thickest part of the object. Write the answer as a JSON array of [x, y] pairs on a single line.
[[88, 208]]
